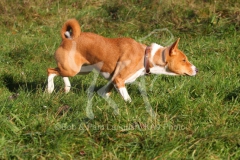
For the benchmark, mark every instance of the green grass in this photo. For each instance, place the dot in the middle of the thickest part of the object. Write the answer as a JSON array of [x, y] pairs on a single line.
[[197, 117]]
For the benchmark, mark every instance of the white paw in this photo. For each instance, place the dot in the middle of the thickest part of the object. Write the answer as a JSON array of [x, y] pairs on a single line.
[[123, 91], [67, 89], [50, 85], [67, 84], [50, 89], [129, 100]]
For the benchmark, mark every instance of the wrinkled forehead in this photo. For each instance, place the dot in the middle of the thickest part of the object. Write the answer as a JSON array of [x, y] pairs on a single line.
[[181, 54]]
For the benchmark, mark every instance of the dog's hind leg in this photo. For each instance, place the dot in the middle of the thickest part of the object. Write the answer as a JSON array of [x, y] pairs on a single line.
[[67, 84], [52, 72], [121, 88], [118, 79]]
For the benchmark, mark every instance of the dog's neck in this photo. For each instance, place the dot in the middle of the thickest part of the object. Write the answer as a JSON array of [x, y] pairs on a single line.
[[146, 60], [164, 57], [155, 56], [157, 60]]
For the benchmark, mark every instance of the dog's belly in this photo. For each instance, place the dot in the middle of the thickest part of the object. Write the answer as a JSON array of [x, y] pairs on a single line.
[[106, 75], [139, 73]]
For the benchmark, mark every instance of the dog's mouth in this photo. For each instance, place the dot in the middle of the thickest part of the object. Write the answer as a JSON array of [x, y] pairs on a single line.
[[193, 74], [186, 74]]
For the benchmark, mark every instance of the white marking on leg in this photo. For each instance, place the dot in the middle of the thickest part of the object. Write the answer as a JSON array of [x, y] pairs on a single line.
[[123, 91], [50, 86], [67, 84]]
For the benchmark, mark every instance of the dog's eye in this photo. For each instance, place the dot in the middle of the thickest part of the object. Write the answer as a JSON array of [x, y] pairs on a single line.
[[184, 60]]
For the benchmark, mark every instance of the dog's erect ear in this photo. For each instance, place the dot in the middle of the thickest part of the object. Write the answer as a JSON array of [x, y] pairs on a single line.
[[173, 47]]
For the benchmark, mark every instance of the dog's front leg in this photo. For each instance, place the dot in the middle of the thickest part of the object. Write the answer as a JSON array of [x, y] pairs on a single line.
[[120, 86], [123, 91]]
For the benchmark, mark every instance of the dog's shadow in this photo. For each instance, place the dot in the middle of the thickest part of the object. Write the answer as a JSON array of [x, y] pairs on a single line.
[[14, 85], [78, 87], [232, 95]]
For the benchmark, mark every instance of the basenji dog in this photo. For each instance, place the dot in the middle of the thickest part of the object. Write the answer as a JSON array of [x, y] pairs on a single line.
[[119, 60]]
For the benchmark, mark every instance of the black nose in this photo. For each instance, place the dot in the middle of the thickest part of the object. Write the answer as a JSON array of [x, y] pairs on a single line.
[[196, 70]]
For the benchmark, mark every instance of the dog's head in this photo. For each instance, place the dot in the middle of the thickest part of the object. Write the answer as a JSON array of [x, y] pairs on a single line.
[[173, 59]]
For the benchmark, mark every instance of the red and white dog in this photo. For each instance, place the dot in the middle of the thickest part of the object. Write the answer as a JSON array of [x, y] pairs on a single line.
[[119, 60]]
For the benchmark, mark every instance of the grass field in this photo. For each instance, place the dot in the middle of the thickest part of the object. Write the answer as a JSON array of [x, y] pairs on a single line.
[[196, 117]]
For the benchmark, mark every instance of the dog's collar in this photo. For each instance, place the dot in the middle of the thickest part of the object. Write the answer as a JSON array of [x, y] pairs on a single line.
[[146, 61], [164, 56]]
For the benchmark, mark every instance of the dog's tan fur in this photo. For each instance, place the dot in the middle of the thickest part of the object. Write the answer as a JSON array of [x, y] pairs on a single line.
[[121, 58]]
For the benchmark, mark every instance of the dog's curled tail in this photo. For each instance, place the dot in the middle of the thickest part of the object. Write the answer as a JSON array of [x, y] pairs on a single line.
[[71, 29]]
